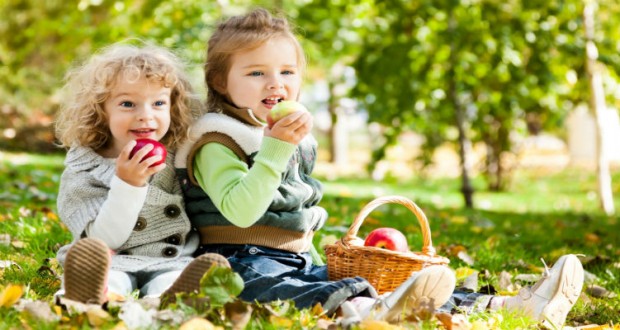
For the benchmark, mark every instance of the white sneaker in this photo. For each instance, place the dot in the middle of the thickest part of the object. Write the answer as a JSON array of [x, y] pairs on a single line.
[[551, 298], [433, 285]]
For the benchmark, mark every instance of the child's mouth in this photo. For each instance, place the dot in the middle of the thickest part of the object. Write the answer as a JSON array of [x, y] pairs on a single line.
[[271, 101]]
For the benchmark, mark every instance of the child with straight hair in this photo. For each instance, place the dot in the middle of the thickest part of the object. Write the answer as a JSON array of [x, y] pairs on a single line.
[[127, 215], [250, 194]]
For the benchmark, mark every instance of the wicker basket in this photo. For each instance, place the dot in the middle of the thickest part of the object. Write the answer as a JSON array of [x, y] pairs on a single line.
[[384, 269]]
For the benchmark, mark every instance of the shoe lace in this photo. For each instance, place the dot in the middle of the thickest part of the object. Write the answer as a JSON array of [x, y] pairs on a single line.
[[526, 292], [546, 273]]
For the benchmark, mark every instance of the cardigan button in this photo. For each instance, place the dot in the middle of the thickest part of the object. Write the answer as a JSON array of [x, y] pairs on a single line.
[[140, 224], [172, 211], [169, 252], [174, 239]]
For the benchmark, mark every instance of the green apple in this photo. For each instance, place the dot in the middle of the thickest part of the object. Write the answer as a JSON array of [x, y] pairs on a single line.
[[282, 110]]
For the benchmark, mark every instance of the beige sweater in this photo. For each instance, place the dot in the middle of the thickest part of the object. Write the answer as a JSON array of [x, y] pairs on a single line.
[[162, 238]]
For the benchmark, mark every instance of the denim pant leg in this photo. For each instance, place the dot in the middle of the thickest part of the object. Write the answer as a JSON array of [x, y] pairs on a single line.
[[271, 275], [466, 302]]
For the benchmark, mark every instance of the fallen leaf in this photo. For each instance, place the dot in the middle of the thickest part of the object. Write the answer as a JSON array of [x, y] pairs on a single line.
[[325, 324], [51, 216], [41, 311], [458, 220], [372, 221], [465, 257], [170, 316], [378, 325], [239, 313], [454, 250], [463, 272], [18, 244], [597, 291], [470, 282], [599, 327], [592, 238], [97, 316], [135, 316], [278, 321], [505, 282], [197, 323], [6, 264], [453, 322], [10, 295], [115, 297], [480, 325], [5, 239]]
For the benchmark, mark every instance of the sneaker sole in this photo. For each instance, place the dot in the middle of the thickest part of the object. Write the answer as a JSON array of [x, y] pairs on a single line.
[[433, 284], [189, 280], [86, 271], [554, 314]]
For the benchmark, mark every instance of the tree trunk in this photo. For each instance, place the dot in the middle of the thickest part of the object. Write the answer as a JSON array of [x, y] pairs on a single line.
[[597, 106], [464, 143], [339, 142], [498, 140]]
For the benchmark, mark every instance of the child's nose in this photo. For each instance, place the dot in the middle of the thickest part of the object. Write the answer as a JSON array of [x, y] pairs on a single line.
[[146, 113], [275, 82]]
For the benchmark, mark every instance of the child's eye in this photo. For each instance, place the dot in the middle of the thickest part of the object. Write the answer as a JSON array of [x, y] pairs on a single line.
[[160, 103], [255, 73], [288, 72], [126, 104]]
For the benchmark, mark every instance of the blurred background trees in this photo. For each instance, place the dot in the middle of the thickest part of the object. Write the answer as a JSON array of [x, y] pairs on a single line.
[[462, 73]]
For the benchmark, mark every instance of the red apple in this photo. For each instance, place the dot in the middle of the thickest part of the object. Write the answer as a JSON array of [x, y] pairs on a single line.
[[387, 238], [158, 150], [283, 109]]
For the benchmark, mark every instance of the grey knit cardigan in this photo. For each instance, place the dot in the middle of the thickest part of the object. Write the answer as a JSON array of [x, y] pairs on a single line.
[[162, 238]]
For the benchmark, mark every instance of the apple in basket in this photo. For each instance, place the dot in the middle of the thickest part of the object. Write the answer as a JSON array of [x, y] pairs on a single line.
[[158, 149], [283, 109], [387, 238]]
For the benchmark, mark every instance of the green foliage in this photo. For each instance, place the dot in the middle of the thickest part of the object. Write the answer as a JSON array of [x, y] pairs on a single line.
[[544, 216], [221, 285], [40, 41], [504, 67]]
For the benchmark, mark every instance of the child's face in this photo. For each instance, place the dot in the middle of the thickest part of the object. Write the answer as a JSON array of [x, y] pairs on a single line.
[[137, 110], [260, 78]]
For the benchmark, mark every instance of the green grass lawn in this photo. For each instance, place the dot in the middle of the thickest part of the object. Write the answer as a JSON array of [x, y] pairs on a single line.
[[544, 215]]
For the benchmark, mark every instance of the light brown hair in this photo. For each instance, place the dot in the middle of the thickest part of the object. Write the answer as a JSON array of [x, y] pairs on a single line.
[[82, 119], [240, 34]]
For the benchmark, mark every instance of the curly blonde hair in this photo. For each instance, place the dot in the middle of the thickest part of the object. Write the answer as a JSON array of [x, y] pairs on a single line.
[[82, 119], [238, 34]]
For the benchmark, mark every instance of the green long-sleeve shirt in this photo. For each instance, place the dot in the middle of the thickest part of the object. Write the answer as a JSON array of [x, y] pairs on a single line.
[[230, 184]]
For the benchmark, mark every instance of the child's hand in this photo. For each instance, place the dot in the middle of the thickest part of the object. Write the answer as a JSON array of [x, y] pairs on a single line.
[[292, 128], [134, 171]]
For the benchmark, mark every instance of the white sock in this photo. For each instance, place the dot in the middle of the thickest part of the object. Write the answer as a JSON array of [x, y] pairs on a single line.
[[502, 302], [497, 303], [363, 305]]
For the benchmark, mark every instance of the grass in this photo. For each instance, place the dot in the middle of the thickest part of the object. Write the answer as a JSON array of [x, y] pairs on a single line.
[[544, 215]]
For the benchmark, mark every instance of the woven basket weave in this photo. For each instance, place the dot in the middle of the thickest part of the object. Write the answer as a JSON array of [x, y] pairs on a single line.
[[384, 269]]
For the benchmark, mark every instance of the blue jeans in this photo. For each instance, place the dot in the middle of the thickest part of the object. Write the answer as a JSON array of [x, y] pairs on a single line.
[[466, 302], [271, 274]]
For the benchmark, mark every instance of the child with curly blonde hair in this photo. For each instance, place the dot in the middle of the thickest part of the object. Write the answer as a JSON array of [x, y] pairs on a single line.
[[126, 214]]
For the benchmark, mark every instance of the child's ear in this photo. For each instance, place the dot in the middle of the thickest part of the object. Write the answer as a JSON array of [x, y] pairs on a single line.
[[219, 85]]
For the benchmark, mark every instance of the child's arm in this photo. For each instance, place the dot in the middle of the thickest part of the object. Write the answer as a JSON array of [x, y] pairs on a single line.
[[128, 190], [241, 194], [118, 214]]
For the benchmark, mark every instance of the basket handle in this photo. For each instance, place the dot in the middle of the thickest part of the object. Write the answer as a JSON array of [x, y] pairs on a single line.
[[427, 246]]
